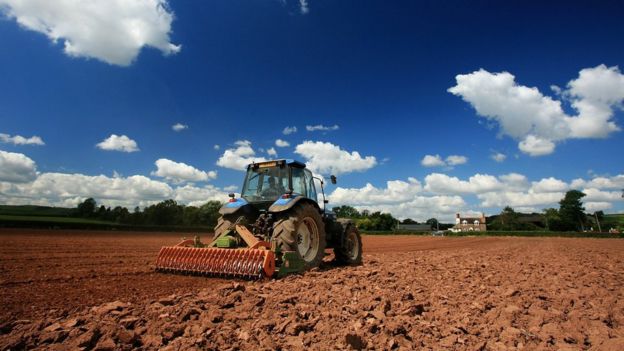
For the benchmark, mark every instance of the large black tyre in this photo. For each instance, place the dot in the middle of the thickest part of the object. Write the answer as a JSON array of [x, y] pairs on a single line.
[[351, 252], [224, 223], [302, 230]]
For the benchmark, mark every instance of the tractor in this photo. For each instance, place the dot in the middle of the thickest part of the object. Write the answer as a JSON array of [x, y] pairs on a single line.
[[276, 227]]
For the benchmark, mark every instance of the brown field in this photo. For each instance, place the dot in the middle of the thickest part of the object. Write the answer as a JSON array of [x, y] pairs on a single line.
[[411, 293]]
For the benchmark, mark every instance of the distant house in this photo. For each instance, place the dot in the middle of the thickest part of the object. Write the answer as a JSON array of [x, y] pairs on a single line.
[[469, 224], [415, 228]]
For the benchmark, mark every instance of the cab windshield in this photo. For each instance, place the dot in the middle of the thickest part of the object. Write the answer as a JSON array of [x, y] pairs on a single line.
[[265, 184]]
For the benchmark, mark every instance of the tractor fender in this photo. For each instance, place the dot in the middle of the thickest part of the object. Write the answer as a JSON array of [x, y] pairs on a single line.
[[282, 204], [233, 207]]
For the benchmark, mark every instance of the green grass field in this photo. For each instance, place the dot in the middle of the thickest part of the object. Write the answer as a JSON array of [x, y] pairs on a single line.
[[18, 218]]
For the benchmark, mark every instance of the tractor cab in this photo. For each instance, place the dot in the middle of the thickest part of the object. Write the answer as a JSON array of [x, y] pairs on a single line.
[[266, 182]]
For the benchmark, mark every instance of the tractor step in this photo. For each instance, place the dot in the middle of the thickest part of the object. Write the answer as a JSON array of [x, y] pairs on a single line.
[[220, 262]]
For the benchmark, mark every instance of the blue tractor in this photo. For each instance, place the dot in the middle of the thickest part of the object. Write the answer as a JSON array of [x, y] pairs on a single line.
[[276, 227]]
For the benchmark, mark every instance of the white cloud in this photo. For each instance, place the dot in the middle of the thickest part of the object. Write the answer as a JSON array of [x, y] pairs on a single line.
[[216, 147], [326, 158], [239, 157], [304, 7], [118, 143], [62, 189], [401, 198], [548, 185], [539, 121], [454, 160], [616, 182], [437, 161], [20, 140], [443, 184], [197, 196], [535, 146], [432, 161], [16, 167], [231, 188], [271, 152], [181, 172], [322, 128], [113, 31], [289, 130], [281, 143], [498, 157], [178, 127], [594, 194], [591, 207]]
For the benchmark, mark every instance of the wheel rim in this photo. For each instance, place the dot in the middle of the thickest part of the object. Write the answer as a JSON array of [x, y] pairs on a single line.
[[308, 239], [353, 246]]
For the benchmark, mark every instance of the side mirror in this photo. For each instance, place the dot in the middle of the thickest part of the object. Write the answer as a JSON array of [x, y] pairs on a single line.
[[326, 201], [231, 195], [333, 179]]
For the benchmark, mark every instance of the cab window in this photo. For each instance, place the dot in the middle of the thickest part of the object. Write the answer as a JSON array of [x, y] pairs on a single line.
[[299, 181], [311, 188]]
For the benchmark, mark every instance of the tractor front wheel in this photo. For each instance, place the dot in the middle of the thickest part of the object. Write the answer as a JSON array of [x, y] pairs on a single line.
[[351, 252], [302, 231]]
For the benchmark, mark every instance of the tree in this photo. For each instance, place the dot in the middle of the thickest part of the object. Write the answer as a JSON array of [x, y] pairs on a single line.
[[346, 212], [87, 208], [167, 212], [209, 213], [409, 221], [571, 210], [433, 222]]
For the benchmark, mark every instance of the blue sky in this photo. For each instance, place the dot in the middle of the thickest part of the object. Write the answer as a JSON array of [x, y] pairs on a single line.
[[537, 85]]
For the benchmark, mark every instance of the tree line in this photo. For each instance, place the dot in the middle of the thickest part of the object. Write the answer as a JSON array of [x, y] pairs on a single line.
[[570, 216], [164, 213]]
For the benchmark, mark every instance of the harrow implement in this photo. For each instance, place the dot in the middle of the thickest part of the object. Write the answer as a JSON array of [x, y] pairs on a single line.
[[238, 263], [192, 257]]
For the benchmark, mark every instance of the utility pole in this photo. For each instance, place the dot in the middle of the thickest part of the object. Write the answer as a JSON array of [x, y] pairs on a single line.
[[597, 221]]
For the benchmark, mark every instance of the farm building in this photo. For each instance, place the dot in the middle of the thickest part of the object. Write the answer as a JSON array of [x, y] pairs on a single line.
[[468, 224]]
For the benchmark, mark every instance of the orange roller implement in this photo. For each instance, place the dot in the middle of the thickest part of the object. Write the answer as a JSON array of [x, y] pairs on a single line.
[[238, 263]]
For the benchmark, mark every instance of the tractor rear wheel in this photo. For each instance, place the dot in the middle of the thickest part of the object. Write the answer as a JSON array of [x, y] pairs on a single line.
[[351, 252], [302, 231]]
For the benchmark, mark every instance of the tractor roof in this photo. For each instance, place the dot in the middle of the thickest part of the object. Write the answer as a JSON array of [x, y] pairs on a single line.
[[273, 163]]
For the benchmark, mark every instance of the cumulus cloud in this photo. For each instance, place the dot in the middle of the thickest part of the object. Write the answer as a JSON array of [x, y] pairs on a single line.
[[271, 152], [443, 184], [62, 189], [548, 185], [281, 143], [20, 140], [178, 127], [616, 182], [498, 157], [455, 160], [401, 198], [118, 143], [113, 31], [239, 157], [181, 172], [16, 167], [304, 7], [320, 127], [289, 130], [537, 121], [437, 161], [326, 158]]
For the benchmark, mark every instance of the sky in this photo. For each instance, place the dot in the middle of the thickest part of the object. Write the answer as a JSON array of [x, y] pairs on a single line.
[[420, 108]]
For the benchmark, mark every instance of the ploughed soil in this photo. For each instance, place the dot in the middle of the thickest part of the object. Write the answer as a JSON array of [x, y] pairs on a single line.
[[98, 291]]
